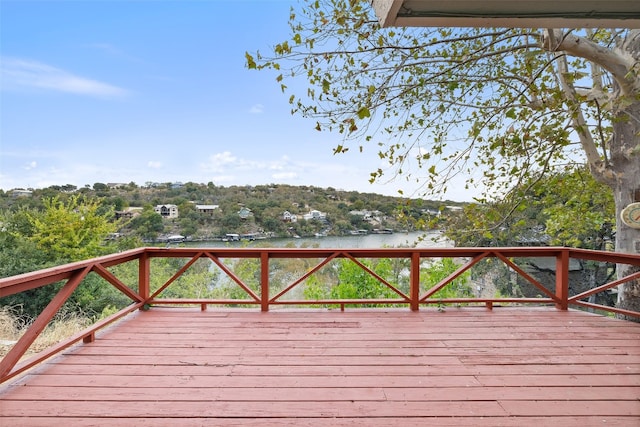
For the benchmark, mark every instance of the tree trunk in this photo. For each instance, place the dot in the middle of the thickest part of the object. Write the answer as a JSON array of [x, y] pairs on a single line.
[[625, 158]]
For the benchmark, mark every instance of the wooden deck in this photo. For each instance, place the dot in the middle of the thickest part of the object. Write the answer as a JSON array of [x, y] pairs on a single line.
[[463, 366]]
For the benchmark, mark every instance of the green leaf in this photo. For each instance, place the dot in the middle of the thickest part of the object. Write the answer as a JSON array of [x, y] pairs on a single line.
[[251, 63], [326, 85], [363, 112]]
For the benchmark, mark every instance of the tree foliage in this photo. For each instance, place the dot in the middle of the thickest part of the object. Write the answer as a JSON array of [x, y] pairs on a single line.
[[18, 254], [71, 230], [148, 224], [356, 283], [62, 231], [578, 211], [451, 100], [440, 270], [569, 208]]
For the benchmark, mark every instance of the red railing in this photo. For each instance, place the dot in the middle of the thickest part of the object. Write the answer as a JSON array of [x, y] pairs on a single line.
[[143, 296]]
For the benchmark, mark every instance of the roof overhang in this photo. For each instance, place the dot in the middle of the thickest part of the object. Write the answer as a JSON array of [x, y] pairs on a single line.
[[509, 13]]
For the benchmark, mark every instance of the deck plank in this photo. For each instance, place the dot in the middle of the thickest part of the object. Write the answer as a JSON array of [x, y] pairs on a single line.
[[463, 366], [585, 421]]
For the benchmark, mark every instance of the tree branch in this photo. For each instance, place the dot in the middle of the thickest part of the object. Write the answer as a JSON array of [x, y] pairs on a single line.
[[555, 40], [579, 123]]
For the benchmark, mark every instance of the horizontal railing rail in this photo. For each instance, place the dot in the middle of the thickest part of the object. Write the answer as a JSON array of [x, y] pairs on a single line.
[[142, 296]]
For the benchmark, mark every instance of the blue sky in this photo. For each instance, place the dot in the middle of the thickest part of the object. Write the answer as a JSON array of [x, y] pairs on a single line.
[[120, 91]]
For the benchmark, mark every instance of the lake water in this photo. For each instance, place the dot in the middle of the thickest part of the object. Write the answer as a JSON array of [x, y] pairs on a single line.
[[432, 239]]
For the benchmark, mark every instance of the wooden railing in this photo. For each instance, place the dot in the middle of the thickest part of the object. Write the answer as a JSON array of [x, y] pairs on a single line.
[[142, 296]]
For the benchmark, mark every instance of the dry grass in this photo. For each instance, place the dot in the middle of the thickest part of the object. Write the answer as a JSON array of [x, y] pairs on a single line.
[[62, 326], [9, 328]]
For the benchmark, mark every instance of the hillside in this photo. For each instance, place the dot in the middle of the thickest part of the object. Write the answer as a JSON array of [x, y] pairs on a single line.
[[208, 211]]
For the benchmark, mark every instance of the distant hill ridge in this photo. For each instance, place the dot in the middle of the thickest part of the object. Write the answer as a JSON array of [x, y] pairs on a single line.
[[249, 209]]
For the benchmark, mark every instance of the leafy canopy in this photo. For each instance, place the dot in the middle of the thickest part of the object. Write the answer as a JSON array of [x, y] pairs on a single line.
[[71, 230], [491, 104], [568, 208]]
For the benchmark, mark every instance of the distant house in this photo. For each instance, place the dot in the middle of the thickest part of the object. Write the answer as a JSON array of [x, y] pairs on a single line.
[[244, 213], [431, 212], [206, 209], [315, 214], [289, 217], [124, 214], [115, 185], [369, 216], [21, 192], [366, 215], [128, 213], [167, 211]]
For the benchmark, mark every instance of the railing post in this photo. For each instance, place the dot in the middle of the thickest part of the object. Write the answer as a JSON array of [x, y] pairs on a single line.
[[264, 280], [144, 272], [414, 281], [89, 338], [562, 279]]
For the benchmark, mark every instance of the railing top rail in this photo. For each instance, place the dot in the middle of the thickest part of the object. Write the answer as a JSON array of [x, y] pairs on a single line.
[[105, 260], [614, 257], [361, 252], [34, 279]]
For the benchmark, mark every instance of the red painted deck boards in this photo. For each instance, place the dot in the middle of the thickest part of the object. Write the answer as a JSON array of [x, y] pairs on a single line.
[[464, 366]]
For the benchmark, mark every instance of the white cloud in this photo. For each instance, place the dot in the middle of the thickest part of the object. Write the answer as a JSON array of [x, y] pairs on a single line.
[[31, 165], [21, 73], [154, 164], [257, 109], [226, 162], [219, 162], [280, 165], [285, 175], [230, 168]]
